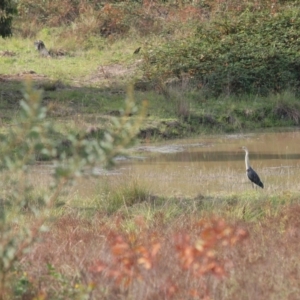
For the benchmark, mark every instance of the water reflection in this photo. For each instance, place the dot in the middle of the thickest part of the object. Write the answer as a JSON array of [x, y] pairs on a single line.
[[221, 156]]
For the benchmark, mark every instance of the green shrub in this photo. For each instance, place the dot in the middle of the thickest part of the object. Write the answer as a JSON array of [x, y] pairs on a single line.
[[123, 197], [255, 53]]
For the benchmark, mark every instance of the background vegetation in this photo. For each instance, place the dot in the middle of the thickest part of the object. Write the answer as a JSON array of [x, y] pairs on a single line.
[[204, 66], [224, 47], [229, 66], [249, 53]]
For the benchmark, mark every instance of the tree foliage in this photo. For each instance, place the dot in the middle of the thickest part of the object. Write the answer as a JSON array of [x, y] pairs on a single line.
[[7, 9], [250, 53]]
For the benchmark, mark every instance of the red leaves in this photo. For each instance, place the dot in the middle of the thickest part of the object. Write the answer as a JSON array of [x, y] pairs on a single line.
[[200, 255], [131, 258]]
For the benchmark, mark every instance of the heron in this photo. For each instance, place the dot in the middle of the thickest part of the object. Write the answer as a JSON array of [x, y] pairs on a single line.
[[252, 175]]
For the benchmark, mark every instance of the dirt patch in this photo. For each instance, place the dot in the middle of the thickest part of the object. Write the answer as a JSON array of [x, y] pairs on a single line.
[[114, 73], [22, 76]]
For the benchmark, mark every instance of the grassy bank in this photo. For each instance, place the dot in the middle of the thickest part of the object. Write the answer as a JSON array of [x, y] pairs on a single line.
[[184, 113]]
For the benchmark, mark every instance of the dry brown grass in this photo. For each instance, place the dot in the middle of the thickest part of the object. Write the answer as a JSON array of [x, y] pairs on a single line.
[[186, 258]]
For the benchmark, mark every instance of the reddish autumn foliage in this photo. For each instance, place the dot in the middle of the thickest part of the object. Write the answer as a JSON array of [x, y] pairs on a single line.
[[182, 258], [129, 258], [201, 255], [139, 259]]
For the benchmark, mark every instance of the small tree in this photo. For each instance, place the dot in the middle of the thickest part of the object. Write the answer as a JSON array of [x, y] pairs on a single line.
[[32, 133], [7, 9]]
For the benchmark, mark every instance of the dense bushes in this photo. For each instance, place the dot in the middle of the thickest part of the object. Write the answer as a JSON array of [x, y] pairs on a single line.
[[7, 9], [250, 53], [116, 16], [102, 18]]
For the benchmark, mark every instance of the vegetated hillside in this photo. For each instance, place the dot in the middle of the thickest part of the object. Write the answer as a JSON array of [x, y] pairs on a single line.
[[226, 47], [253, 52], [191, 55]]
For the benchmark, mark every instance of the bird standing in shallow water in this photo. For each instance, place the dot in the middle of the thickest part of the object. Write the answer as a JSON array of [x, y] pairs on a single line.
[[252, 175]]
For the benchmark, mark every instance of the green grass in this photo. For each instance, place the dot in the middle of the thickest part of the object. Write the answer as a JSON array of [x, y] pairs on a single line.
[[75, 65], [183, 115], [132, 199], [86, 86]]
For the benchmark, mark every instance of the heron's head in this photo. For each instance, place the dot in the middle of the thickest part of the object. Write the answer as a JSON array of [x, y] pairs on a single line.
[[245, 149]]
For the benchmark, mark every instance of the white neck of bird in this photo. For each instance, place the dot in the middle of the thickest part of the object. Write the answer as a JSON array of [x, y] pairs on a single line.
[[247, 160]]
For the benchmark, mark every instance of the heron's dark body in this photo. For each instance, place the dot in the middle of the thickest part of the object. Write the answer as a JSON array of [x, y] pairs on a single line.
[[252, 175]]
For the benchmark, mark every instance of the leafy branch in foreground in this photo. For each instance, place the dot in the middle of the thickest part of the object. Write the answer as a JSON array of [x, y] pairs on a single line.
[[30, 134]]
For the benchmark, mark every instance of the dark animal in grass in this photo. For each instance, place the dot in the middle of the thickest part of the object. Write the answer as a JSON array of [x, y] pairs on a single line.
[[136, 51], [252, 175], [40, 46]]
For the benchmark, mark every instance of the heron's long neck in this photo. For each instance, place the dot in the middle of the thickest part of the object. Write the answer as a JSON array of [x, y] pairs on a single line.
[[247, 160]]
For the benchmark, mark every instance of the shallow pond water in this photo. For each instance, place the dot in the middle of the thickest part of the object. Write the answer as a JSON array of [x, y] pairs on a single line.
[[206, 165]]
